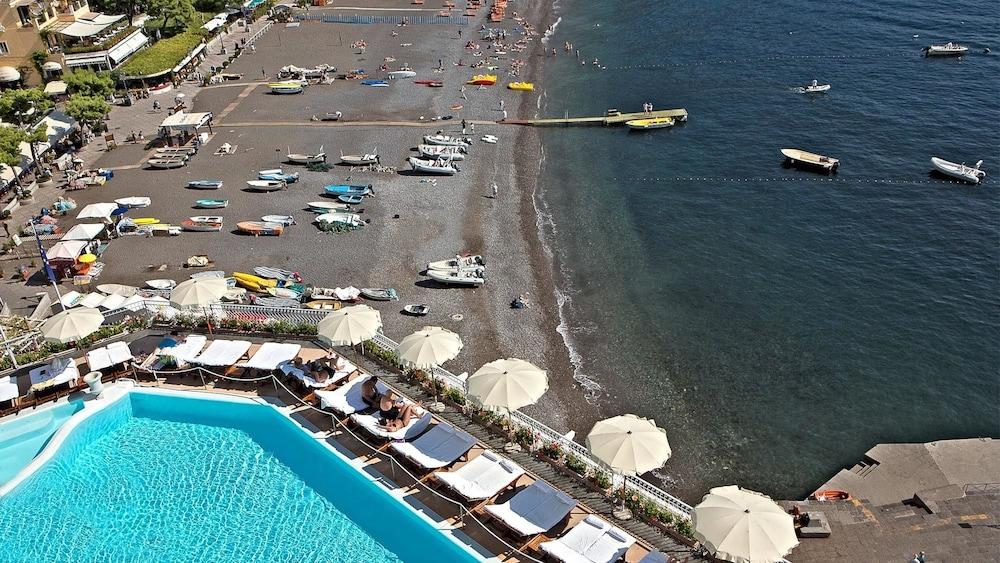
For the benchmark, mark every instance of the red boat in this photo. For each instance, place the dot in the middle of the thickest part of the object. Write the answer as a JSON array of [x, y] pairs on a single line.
[[830, 495]]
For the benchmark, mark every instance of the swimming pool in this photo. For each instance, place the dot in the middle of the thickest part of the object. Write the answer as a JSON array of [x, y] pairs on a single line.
[[156, 477], [22, 437]]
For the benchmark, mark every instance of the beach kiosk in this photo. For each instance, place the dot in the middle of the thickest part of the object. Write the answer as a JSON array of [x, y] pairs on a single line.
[[181, 126]]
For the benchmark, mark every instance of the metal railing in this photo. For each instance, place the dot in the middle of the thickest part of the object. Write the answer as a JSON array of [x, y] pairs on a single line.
[[393, 20]]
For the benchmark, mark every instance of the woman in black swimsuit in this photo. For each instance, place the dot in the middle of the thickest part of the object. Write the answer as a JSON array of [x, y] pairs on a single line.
[[393, 412]]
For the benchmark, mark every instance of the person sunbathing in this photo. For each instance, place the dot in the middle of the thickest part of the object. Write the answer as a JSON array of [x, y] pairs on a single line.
[[369, 392], [394, 412]]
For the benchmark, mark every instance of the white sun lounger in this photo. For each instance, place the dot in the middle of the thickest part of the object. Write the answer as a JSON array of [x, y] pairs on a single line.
[[270, 355], [590, 541], [187, 350], [107, 356], [534, 510], [8, 388], [222, 353], [344, 369], [370, 423], [439, 447], [346, 399], [483, 477]]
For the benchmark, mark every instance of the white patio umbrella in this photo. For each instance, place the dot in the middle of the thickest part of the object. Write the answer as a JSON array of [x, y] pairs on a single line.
[[197, 293], [72, 324], [629, 445], [743, 526], [507, 384], [428, 348], [349, 326]]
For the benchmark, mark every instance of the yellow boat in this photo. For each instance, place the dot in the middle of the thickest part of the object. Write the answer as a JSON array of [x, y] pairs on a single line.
[[523, 86], [483, 80], [145, 221], [325, 305], [651, 123], [254, 283]]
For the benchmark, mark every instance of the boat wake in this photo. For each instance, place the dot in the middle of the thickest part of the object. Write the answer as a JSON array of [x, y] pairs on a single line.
[[550, 31]]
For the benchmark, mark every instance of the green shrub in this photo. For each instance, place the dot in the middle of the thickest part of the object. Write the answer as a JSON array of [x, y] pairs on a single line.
[[162, 56], [552, 450], [523, 436], [684, 527], [387, 357], [454, 395], [575, 464], [601, 478]]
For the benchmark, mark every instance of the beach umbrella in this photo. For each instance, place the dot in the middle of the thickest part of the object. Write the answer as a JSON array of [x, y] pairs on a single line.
[[72, 324], [87, 258], [428, 348], [349, 326], [629, 445], [508, 384], [197, 293], [743, 526]]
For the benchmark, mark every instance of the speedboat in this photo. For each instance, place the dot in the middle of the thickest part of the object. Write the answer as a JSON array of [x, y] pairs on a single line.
[[442, 151], [489, 139], [949, 49], [815, 88], [288, 87], [379, 293], [205, 184], [417, 310], [797, 157], [359, 159], [266, 185], [446, 140], [298, 158], [439, 166], [959, 171], [650, 123], [375, 83]]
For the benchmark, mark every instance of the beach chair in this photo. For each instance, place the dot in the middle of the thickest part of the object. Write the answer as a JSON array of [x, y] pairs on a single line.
[[534, 510], [481, 478], [591, 541], [346, 399], [370, 424], [439, 447]]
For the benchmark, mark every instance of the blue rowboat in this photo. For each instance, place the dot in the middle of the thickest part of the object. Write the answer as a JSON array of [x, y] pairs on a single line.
[[343, 189], [205, 184], [376, 83], [211, 203], [351, 199]]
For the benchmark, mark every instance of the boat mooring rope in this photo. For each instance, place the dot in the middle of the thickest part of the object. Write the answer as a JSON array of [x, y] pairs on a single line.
[[767, 59], [803, 179]]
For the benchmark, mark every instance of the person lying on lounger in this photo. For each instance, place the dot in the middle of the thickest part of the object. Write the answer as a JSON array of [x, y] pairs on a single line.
[[369, 392], [394, 412]]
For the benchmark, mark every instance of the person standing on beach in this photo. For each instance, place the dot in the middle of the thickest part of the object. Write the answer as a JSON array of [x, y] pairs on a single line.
[[463, 127], [463, 93], [263, 72], [504, 115], [501, 105]]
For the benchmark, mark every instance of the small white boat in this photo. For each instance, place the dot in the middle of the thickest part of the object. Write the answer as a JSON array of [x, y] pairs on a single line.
[[360, 159], [165, 163], [446, 140], [798, 157], [442, 151], [266, 185], [287, 87], [196, 225], [815, 88], [206, 219], [283, 219], [970, 174], [460, 262], [352, 219], [133, 202], [949, 49], [439, 166], [298, 158], [490, 139], [379, 293], [161, 284], [457, 278], [402, 74], [417, 310], [327, 207]]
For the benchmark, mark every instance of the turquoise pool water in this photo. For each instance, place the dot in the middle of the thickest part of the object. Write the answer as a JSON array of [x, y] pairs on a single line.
[[165, 478], [22, 437]]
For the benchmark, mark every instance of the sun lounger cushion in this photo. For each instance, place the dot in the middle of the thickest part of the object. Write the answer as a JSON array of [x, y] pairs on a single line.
[[187, 350], [271, 354], [222, 353], [590, 541], [533, 510], [8, 388], [346, 399], [440, 446], [370, 422], [654, 557], [107, 356], [483, 477]]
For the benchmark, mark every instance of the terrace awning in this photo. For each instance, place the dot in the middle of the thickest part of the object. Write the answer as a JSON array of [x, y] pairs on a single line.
[[51, 66], [98, 58], [187, 59], [187, 122], [90, 26], [124, 49], [9, 74]]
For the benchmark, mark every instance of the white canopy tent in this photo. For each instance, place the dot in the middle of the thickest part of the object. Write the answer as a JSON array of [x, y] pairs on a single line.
[[66, 250], [187, 123], [97, 211], [85, 231]]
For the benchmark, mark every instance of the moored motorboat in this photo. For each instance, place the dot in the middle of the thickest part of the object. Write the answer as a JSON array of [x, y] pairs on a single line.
[[459, 262], [650, 123], [326, 207], [798, 157], [446, 140], [133, 202], [970, 174], [285, 220], [522, 86], [360, 159], [446, 151], [489, 139], [379, 293], [417, 310], [439, 166], [463, 277], [211, 203], [949, 49], [266, 185], [815, 88], [299, 158], [205, 184], [257, 228]]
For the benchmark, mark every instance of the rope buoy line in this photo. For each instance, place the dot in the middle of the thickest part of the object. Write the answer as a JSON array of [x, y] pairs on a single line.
[[776, 58], [785, 179]]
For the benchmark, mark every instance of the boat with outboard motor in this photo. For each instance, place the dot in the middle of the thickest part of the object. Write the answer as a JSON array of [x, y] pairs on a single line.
[[973, 175]]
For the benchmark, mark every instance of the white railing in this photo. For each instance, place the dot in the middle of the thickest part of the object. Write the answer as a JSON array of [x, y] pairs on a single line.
[[547, 435]]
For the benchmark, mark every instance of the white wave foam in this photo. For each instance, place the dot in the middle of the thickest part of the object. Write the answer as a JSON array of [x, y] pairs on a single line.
[[550, 31]]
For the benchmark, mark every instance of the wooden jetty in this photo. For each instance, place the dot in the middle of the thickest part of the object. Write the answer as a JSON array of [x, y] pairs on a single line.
[[611, 117]]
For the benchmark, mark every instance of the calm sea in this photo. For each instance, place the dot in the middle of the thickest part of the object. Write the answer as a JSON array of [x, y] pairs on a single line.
[[778, 323]]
